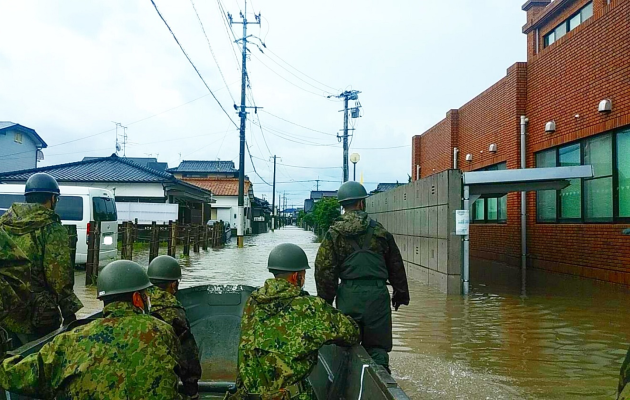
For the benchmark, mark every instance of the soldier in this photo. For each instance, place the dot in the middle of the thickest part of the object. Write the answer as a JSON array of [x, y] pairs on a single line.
[[37, 230], [363, 255], [165, 273], [282, 330], [127, 354]]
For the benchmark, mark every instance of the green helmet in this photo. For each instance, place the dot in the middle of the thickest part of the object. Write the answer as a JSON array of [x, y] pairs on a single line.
[[164, 268], [41, 183], [122, 276], [287, 257], [351, 192]]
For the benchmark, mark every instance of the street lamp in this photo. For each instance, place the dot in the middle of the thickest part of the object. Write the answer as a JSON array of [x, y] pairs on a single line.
[[355, 158]]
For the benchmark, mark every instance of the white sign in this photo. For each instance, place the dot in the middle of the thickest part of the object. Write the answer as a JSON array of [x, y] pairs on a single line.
[[462, 222], [259, 219]]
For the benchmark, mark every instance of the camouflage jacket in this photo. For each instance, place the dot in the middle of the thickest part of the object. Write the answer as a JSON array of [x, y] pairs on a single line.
[[336, 247], [15, 272], [124, 355], [281, 332], [39, 233], [167, 308]]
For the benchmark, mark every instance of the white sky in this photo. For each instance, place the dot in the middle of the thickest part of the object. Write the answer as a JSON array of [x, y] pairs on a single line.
[[68, 68]]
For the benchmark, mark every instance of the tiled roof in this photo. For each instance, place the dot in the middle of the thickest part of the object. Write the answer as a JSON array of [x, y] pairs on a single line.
[[31, 132], [148, 162], [106, 169], [205, 166], [219, 186], [384, 187]]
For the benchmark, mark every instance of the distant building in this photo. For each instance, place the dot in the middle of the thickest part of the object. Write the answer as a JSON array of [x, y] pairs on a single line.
[[384, 187], [261, 215], [225, 192], [205, 169], [148, 162], [20, 147], [317, 195], [130, 183]]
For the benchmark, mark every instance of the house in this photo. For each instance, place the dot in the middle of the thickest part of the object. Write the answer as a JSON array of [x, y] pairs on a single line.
[[317, 195], [130, 183], [261, 215], [384, 187], [148, 162], [225, 193], [565, 106], [204, 169], [20, 147]]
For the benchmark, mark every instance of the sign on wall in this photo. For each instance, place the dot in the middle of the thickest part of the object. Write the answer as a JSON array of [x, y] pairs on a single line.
[[462, 222]]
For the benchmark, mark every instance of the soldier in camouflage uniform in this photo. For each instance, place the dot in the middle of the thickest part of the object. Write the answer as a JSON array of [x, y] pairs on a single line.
[[14, 275], [127, 354], [364, 256], [282, 330], [37, 230], [165, 273]]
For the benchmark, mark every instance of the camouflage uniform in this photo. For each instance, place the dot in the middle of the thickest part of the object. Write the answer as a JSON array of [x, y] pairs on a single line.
[[14, 275], [362, 294], [39, 233], [282, 330], [124, 355], [167, 308]]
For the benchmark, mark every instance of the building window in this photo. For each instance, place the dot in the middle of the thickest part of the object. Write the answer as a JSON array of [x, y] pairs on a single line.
[[570, 24], [605, 198], [17, 137], [491, 210]]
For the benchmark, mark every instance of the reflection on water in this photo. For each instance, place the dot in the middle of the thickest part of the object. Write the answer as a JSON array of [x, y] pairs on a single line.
[[565, 339]]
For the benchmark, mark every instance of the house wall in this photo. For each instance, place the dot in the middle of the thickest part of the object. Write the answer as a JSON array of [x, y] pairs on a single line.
[[227, 207], [155, 190], [16, 156]]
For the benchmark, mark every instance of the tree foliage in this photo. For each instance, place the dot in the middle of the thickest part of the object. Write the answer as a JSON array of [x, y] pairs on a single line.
[[326, 211]]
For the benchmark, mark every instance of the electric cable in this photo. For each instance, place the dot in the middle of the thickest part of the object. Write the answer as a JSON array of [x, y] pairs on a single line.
[[301, 126]]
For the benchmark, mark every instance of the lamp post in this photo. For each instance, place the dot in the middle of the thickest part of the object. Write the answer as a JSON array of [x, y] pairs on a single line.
[[355, 158]]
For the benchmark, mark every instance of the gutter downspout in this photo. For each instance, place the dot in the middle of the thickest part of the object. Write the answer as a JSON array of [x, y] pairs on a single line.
[[524, 121], [455, 157]]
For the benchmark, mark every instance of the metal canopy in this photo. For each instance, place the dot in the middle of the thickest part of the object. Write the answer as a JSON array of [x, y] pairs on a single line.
[[523, 180]]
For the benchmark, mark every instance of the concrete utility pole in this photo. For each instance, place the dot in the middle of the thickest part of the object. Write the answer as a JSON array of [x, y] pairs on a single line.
[[240, 227], [347, 96], [273, 197]]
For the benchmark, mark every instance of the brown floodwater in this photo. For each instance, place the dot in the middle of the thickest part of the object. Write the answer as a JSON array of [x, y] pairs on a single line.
[[553, 337]]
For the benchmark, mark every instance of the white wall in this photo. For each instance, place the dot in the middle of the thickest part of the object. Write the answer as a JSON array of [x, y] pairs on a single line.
[[147, 212], [125, 189], [227, 207], [16, 156]]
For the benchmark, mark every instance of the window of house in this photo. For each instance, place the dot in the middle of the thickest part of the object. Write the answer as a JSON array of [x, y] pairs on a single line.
[[623, 173], [601, 199], [17, 137], [493, 209], [568, 25]]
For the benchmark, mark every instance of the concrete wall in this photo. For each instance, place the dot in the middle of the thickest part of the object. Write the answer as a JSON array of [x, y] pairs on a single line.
[[421, 216]]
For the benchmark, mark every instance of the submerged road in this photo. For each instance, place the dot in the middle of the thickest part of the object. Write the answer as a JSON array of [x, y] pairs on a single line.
[[564, 338]]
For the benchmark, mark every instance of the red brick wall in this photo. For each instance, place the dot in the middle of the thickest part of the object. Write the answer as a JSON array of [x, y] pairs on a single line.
[[435, 147], [569, 78]]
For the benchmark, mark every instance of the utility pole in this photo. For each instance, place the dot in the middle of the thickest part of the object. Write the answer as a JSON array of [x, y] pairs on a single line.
[[273, 197], [347, 96], [317, 180], [240, 227]]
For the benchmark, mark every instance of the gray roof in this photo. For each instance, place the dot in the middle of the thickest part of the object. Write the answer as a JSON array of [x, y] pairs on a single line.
[[308, 205], [205, 166], [148, 162], [319, 194], [384, 187], [106, 169], [39, 142]]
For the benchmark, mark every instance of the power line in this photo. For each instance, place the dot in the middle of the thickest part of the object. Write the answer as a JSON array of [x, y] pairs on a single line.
[[212, 51], [228, 31], [285, 79], [321, 83], [301, 126], [190, 61], [298, 166], [310, 84], [254, 167], [381, 148], [295, 139]]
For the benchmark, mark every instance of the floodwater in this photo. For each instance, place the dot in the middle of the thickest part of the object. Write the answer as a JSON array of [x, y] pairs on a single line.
[[556, 337]]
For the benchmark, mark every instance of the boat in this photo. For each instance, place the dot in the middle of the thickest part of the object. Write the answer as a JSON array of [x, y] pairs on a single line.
[[214, 312]]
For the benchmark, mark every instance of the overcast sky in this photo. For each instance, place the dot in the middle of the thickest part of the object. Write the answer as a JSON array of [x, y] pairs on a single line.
[[68, 68]]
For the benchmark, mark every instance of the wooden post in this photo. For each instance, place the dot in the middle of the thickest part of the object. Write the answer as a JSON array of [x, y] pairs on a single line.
[[94, 248], [205, 237], [196, 238], [169, 244], [187, 240], [153, 241], [123, 235], [90, 255], [72, 243], [129, 240], [174, 240]]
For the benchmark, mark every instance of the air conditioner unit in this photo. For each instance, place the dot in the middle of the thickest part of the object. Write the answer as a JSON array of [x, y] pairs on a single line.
[[493, 148], [605, 106], [468, 157], [550, 127]]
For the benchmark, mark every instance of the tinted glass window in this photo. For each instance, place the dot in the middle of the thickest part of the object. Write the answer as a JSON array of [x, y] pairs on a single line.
[[104, 209], [70, 208], [561, 31], [575, 21], [546, 200], [7, 199], [623, 171], [571, 197], [598, 192], [587, 12]]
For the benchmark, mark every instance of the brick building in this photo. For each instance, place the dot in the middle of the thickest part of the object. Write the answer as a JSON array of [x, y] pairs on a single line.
[[578, 60]]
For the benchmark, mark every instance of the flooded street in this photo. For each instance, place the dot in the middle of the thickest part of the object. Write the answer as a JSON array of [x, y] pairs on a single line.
[[563, 338]]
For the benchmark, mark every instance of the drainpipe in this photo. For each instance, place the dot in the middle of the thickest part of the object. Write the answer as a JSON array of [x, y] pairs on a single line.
[[417, 172], [455, 157], [524, 121]]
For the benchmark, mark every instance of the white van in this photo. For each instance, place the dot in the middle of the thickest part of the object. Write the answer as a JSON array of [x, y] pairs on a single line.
[[78, 206]]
